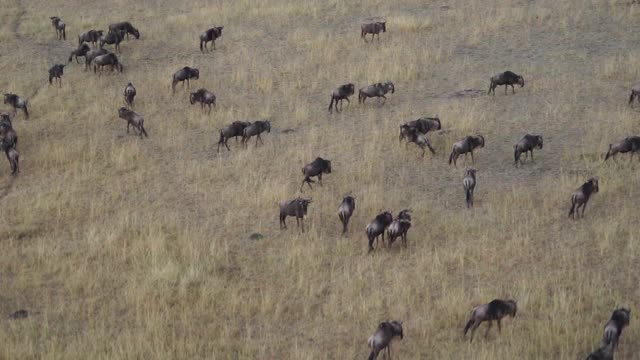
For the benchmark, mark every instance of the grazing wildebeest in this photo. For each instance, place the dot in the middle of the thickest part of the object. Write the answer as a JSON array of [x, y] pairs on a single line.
[[183, 74], [91, 36], [341, 93], [613, 329], [255, 129], [506, 78], [129, 94], [112, 38], [317, 167], [526, 145], [377, 227], [422, 125], [204, 97], [133, 119], [495, 310], [56, 72], [210, 35], [296, 207], [124, 28], [88, 58], [629, 144], [109, 59], [16, 103], [375, 90], [635, 94], [13, 156], [373, 29], [469, 184], [605, 352], [82, 50], [581, 196], [60, 27], [235, 129], [346, 209], [381, 339], [414, 136], [400, 227], [464, 146]]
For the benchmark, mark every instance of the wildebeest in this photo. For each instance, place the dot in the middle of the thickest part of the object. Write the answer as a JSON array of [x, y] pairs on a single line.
[[296, 207], [526, 145], [134, 119], [605, 352], [56, 72], [16, 103], [413, 136], [5, 121], [381, 339], [317, 167], [400, 227], [210, 35], [629, 144], [346, 209], [235, 129], [8, 135], [506, 78], [255, 129], [109, 59], [495, 310], [374, 29], [635, 94], [341, 93], [464, 146], [422, 125], [88, 58], [60, 27], [613, 329], [469, 184], [183, 74], [123, 28], [581, 196], [204, 97], [91, 36], [375, 90], [14, 158], [129, 94], [377, 227], [82, 50], [112, 38]]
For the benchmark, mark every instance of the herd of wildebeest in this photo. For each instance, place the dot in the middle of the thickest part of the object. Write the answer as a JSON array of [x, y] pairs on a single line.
[[415, 132]]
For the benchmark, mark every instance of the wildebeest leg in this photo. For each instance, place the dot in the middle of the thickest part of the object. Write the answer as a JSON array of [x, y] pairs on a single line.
[[225, 143], [473, 329], [486, 333], [283, 222], [472, 161], [214, 43], [260, 137], [532, 155], [302, 221], [513, 89], [187, 83], [499, 327], [505, 88], [584, 206], [128, 123], [320, 179], [382, 96]]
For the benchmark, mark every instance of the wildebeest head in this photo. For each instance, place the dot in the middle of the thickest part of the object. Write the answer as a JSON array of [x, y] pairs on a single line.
[[479, 139], [193, 97], [304, 204], [219, 30], [396, 328], [10, 99], [136, 33], [521, 81], [471, 172], [384, 26], [267, 126], [594, 183], [123, 112], [328, 166], [195, 73], [54, 20], [513, 307], [349, 89], [390, 85], [539, 141]]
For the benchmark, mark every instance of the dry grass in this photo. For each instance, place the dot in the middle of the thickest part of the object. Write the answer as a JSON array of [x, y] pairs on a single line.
[[128, 248]]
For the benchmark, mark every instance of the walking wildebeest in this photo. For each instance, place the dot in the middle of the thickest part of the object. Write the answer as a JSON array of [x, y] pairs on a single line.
[[296, 207], [414, 136], [581, 196], [91, 36], [375, 90], [317, 167], [629, 144], [373, 29], [341, 93], [82, 50], [495, 310], [112, 38], [13, 156], [129, 94], [88, 58], [255, 129], [210, 35], [16, 103], [469, 184], [346, 209], [635, 94], [5, 121], [422, 125], [506, 78], [464, 146], [400, 227], [377, 227], [204, 97], [613, 329], [133, 119], [8, 135], [381, 339], [235, 129], [605, 352], [56, 72], [526, 145], [183, 74], [110, 59], [60, 27], [124, 28]]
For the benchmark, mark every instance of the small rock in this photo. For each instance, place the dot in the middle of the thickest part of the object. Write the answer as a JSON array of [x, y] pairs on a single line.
[[20, 314], [256, 236]]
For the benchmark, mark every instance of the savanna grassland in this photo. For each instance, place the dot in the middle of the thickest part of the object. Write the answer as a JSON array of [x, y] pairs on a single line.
[[122, 248]]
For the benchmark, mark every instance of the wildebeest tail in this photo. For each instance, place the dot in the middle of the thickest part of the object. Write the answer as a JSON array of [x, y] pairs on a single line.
[[143, 130], [331, 103], [451, 156], [372, 355], [608, 152], [64, 33], [468, 197], [468, 326], [79, 41], [201, 49], [515, 154], [573, 205], [50, 79], [490, 86], [633, 95], [26, 104]]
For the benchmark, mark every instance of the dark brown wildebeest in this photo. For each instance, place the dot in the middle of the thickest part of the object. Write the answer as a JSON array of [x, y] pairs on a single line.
[[629, 144], [88, 58], [56, 72], [375, 90], [507, 78], [235, 129], [414, 136], [341, 93], [469, 185], [5, 121], [255, 129], [210, 35], [16, 103], [613, 329], [381, 339], [464, 146], [112, 38], [204, 97], [129, 95], [124, 28], [495, 310], [635, 94], [109, 59], [346, 209], [317, 167], [82, 50], [296, 207], [605, 352], [8, 135], [373, 29], [581, 196], [91, 36], [422, 125], [60, 27], [133, 119], [186, 73], [400, 227], [526, 145], [13, 156], [377, 227]]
